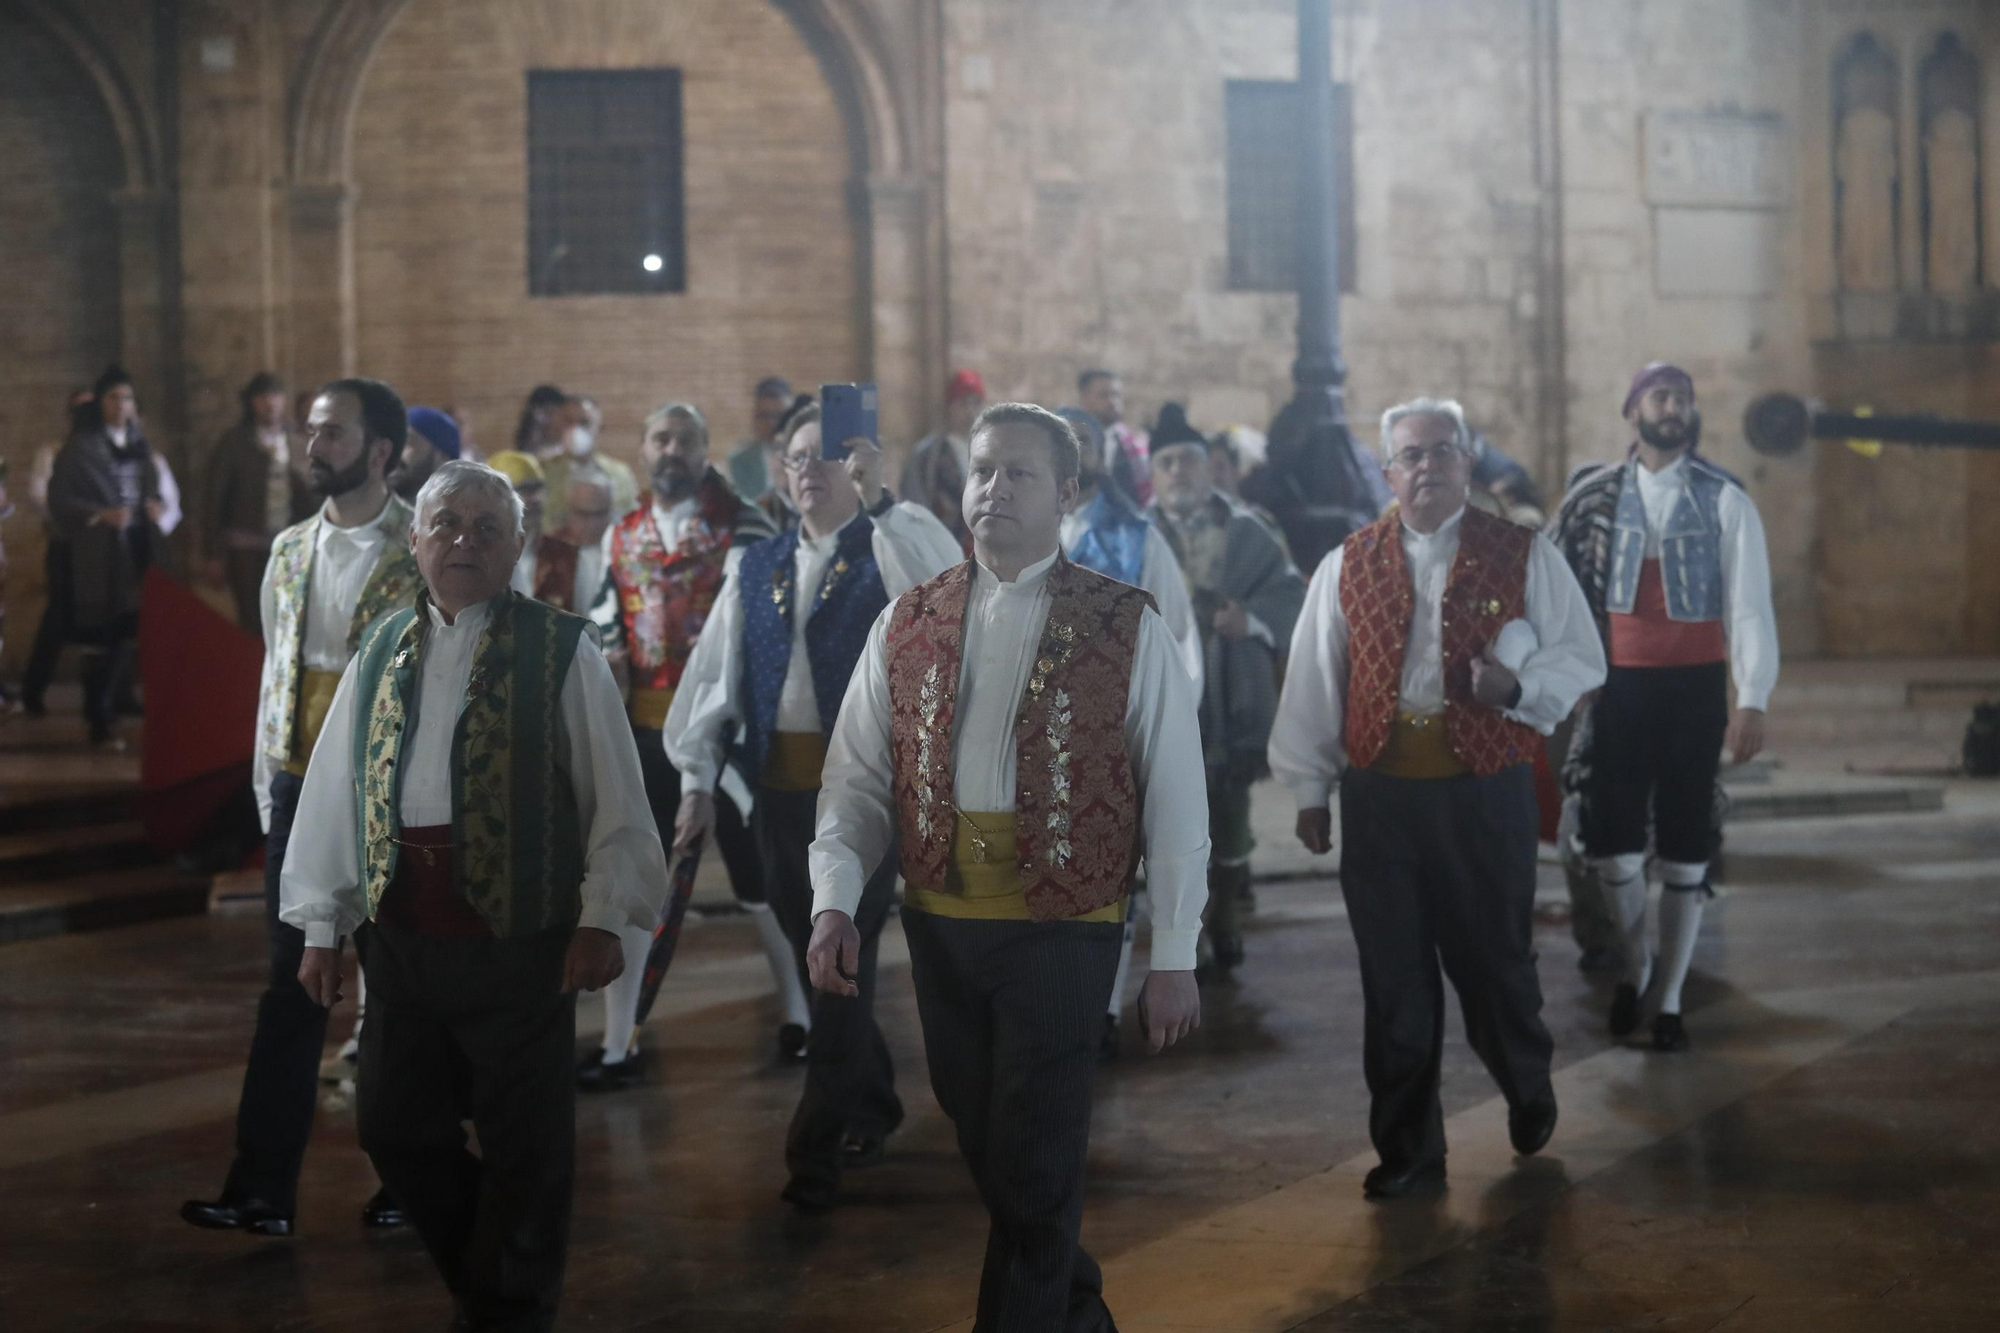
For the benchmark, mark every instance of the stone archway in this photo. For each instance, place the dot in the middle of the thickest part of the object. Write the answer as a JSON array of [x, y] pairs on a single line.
[[894, 201]]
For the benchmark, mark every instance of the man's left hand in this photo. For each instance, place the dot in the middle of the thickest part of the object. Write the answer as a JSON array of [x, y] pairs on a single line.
[[864, 469], [1492, 683], [1745, 738], [1232, 622], [1169, 1008], [595, 960], [155, 508]]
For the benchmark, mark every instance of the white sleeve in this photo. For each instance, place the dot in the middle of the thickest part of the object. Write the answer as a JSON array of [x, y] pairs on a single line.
[[912, 547], [1747, 618], [1307, 749], [170, 496], [1163, 738], [857, 816], [319, 886], [1569, 655], [262, 767], [709, 697], [1160, 575], [624, 867]]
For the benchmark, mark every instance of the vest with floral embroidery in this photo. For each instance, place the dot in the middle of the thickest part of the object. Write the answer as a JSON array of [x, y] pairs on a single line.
[[665, 594], [1076, 801], [392, 583]]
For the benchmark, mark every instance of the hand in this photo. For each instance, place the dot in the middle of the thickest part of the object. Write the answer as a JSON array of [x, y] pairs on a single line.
[[834, 953], [1232, 622], [696, 820], [1493, 684], [595, 959], [155, 508], [1315, 830], [864, 470], [319, 973], [215, 571], [1169, 1008], [119, 518], [1745, 738]]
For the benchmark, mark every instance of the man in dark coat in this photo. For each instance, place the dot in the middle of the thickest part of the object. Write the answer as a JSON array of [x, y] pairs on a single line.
[[256, 489]]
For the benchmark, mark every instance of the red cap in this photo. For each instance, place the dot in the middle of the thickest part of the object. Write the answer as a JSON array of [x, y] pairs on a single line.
[[964, 384]]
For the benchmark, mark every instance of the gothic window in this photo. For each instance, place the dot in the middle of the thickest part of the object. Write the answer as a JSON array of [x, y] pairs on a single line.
[[1948, 103], [1262, 164], [1866, 181], [605, 210]]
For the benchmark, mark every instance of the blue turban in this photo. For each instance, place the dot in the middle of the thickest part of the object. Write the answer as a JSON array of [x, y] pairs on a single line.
[[436, 427]]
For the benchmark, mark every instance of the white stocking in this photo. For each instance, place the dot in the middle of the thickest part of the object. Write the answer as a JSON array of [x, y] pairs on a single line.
[[1680, 926], [1624, 880], [621, 997], [784, 968]]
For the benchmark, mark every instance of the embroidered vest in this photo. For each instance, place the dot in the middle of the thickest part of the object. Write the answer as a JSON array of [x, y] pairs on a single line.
[[519, 850], [844, 607], [392, 583], [1690, 546], [665, 595], [1114, 543], [1486, 588], [555, 574], [1076, 803]]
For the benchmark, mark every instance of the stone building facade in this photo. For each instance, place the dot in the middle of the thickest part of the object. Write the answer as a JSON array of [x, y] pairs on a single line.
[[1546, 193]]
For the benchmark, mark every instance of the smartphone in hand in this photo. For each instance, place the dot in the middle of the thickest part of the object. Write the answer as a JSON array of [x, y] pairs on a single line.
[[847, 412]]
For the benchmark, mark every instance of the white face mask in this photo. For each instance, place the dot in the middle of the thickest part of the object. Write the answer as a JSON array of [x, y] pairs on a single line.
[[581, 441]]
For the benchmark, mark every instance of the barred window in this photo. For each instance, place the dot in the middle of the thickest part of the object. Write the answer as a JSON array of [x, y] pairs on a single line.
[[605, 207], [1263, 195]]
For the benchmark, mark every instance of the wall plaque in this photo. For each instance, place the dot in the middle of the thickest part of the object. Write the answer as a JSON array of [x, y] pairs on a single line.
[[1717, 160]]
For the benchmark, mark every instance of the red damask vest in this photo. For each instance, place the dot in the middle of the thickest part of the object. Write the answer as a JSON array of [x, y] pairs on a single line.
[[1487, 587], [1076, 802], [665, 594]]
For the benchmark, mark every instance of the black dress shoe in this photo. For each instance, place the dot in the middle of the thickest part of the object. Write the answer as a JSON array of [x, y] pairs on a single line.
[[1669, 1033], [792, 1041], [382, 1210], [1108, 1045], [858, 1152], [1393, 1181], [810, 1194], [594, 1075], [1529, 1127], [1624, 1010], [251, 1215]]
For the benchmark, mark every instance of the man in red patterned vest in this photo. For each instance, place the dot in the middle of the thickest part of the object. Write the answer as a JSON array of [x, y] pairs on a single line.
[[1028, 731], [1438, 646]]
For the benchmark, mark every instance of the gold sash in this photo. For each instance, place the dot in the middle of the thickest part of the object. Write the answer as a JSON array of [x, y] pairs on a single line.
[[648, 708], [1418, 748], [985, 876], [795, 761], [315, 699]]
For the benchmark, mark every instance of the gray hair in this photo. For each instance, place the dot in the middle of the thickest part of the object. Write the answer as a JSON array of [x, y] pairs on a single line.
[[461, 475], [1448, 408], [665, 410]]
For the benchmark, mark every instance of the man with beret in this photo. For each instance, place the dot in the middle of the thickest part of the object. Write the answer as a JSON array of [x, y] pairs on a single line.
[[1670, 552]]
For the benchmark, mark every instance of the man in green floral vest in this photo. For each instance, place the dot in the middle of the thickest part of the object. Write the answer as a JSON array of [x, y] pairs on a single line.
[[475, 817]]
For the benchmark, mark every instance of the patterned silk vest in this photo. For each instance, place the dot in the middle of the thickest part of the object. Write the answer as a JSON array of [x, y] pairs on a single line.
[[1487, 587], [555, 574], [1114, 543], [392, 583], [1076, 804], [843, 609], [665, 595], [514, 829]]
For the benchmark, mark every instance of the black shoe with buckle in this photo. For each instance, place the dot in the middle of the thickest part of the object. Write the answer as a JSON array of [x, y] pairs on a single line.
[[792, 1038], [595, 1075], [226, 1214], [1624, 1010], [1669, 1033], [1529, 1127], [382, 1211]]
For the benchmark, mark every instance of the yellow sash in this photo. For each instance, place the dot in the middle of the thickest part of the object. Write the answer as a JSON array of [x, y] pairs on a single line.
[[1418, 748], [795, 761], [315, 699], [986, 886], [648, 708]]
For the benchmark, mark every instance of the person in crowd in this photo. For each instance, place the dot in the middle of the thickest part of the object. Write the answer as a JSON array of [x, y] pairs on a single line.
[[575, 457], [753, 463], [256, 489], [434, 441], [934, 476], [1126, 457], [52, 632]]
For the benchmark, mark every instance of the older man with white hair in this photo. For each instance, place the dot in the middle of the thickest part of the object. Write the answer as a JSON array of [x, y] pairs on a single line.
[[1437, 647], [474, 816]]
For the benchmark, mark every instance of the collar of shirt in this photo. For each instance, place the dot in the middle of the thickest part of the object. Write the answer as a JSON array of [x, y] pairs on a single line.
[[1027, 584], [670, 519], [363, 535], [117, 434], [824, 546], [1423, 547], [273, 442], [468, 621]]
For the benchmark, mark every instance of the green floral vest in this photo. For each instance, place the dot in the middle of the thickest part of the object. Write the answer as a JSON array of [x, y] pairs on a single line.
[[518, 844], [392, 583]]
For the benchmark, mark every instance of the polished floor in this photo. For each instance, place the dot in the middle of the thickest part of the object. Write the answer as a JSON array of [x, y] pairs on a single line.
[[1826, 1158]]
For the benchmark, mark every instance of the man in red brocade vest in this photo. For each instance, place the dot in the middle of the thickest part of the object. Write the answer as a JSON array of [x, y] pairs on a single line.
[[668, 559], [1438, 646], [1026, 728]]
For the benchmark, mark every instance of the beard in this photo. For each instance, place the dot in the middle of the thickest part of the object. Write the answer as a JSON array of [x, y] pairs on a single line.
[[1667, 435], [331, 482], [672, 481]]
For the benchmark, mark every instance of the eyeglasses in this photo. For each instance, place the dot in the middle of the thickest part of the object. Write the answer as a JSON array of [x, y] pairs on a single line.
[[797, 463], [1411, 459]]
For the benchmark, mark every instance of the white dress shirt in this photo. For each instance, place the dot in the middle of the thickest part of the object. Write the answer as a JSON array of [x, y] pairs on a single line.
[[910, 546], [342, 560], [1308, 750], [170, 496], [1748, 621], [1160, 575], [625, 871], [1003, 630]]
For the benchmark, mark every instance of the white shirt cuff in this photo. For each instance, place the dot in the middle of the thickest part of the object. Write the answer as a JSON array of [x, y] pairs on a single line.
[[697, 781], [607, 917], [1174, 950], [1313, 793], [321, 935], [1760, 700]]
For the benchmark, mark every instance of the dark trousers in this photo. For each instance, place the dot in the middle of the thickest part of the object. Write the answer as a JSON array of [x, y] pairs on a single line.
[[53, 632], [246, 585], [850, 1080], [1656, 746], [107, 675], [1442, 871], [470, 1028], [1012, 1012], [281, 1083], [1230, 843], [733, 838]]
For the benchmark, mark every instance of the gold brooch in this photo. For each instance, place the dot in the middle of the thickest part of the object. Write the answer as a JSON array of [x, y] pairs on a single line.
[[1044, 666], [1035, 686], [1493, 606]]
